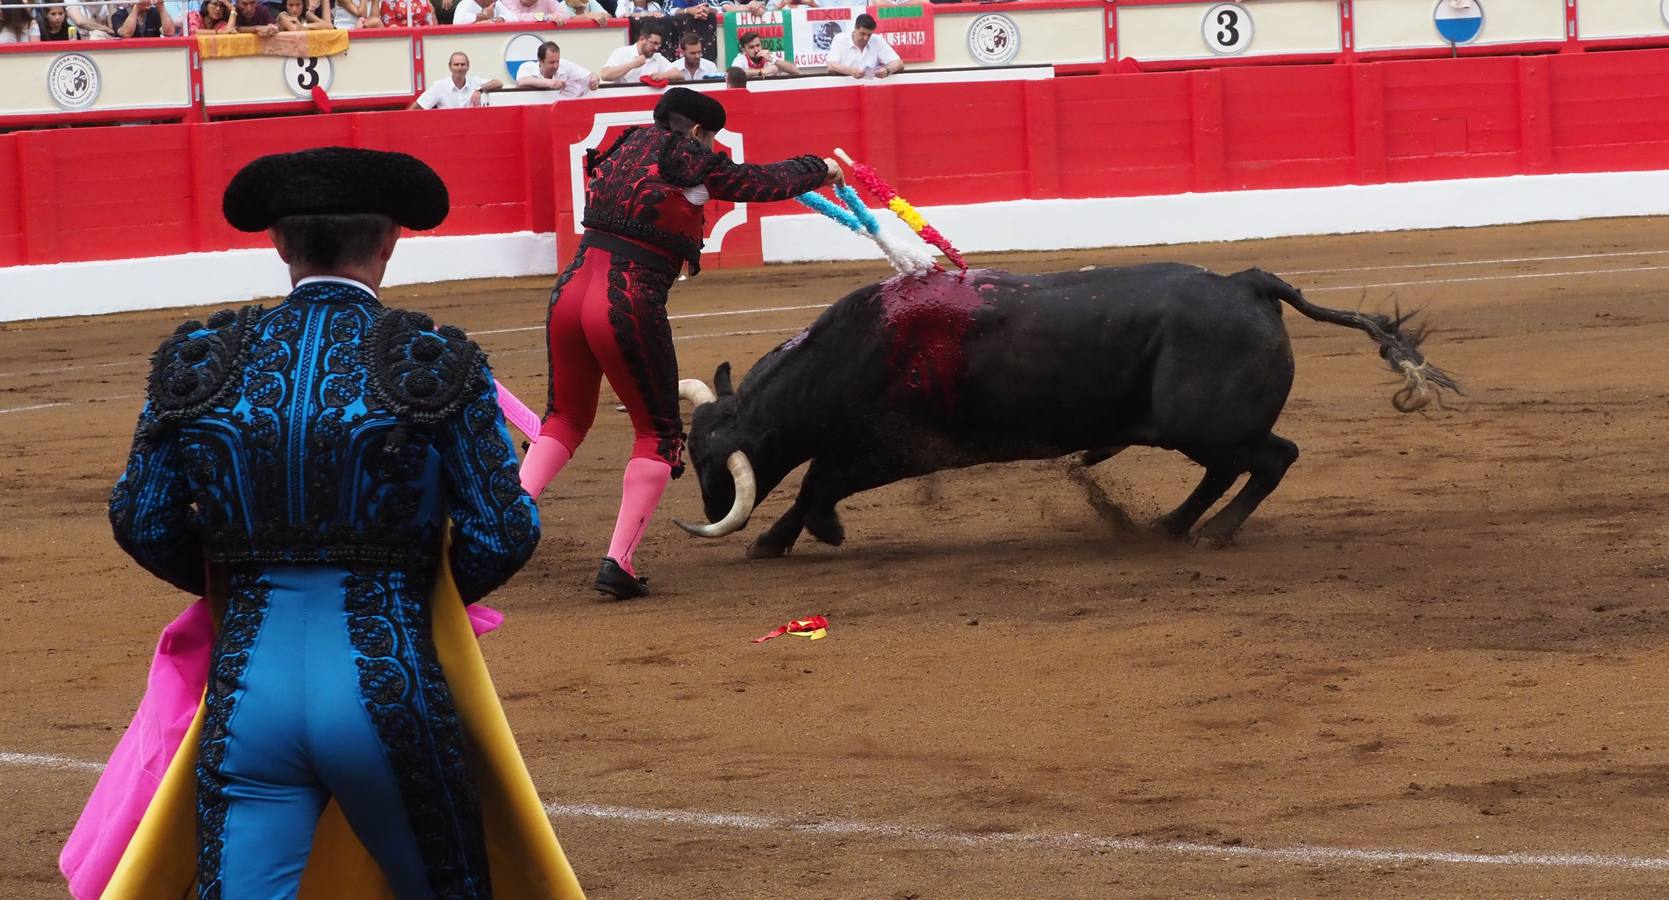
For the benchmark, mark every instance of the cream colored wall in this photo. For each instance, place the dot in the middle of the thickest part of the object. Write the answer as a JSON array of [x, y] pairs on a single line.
[[371, 67], [588, 47], [1398, 24], [1062, 36], [1278, 27], [128, 79]]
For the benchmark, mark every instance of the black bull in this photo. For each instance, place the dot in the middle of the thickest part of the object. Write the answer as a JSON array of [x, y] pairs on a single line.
[[915, 375]]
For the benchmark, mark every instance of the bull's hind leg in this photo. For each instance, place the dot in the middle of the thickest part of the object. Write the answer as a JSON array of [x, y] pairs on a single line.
[[1267, 462], [1213, 484]]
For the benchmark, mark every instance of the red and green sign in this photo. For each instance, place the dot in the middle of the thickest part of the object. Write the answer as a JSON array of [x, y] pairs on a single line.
[[802, 34]]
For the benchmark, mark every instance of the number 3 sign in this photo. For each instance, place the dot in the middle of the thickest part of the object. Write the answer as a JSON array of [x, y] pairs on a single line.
[[1227, 28], [302, 75]]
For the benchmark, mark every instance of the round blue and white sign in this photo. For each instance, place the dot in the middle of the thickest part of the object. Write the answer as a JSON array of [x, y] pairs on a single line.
[[1459, 21], [522, 49]]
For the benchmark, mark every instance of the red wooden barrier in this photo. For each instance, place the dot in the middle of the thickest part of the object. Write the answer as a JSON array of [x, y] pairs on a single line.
[[108, 193]]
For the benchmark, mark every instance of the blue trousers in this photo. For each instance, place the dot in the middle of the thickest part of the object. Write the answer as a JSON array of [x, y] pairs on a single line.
[[315, 669]]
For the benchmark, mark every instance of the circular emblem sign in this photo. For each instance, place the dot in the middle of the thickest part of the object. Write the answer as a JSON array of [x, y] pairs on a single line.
[[1227, 28], [73, 81], [993, 39], [521, 49], [301, 76], [1458, 21]]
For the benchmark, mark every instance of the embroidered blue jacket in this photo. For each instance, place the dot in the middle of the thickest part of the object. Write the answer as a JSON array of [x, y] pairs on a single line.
[[328, 429]]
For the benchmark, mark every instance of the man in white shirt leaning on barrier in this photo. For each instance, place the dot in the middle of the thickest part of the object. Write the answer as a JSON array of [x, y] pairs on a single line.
[[457, 92], [863, 52], [633, 61], [551, 71]]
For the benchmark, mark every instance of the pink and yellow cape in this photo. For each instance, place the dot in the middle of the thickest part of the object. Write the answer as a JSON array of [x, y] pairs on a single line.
[[137, 837]]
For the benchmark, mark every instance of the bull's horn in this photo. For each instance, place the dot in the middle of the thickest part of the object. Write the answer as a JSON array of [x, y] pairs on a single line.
[[746, 488], [697, 392]]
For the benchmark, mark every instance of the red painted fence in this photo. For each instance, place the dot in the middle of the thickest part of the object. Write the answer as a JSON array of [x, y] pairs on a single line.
[[112, 193]]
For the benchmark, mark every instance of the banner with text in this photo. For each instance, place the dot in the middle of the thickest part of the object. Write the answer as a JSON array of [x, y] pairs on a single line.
[[907, 29], [800, 34]]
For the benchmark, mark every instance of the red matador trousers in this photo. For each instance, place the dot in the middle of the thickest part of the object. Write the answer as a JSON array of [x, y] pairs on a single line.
[[608, 318]]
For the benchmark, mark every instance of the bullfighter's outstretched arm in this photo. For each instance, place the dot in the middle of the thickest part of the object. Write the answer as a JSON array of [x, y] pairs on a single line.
[[150, 508], [495, 522], [687, 162]]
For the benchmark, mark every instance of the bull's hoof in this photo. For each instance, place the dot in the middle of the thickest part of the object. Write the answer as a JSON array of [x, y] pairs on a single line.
[[763, 549], [1215, 538], [1164, 529], [826, 529]]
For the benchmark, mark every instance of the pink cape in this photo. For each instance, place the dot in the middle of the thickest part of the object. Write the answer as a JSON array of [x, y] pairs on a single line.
[[179, 673]]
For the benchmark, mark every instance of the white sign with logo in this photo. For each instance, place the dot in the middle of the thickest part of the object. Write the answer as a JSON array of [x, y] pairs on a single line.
[[301, 76], [73, 81], [994, 39]]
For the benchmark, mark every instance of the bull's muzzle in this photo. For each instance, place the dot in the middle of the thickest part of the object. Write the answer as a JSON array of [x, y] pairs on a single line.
[[741, 472]]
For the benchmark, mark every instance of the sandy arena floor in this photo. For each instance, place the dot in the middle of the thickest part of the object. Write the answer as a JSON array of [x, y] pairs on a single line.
[[1443, 636]]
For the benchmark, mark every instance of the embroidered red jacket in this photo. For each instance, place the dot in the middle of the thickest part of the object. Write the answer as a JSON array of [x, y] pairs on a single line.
[[650, 185]]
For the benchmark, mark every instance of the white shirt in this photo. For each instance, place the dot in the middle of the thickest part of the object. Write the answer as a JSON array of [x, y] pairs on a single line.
[[875, 55], [337, 279], [465, 12], [705, 69], [657, 65], [576, 79], [443, 94], [32, 33]]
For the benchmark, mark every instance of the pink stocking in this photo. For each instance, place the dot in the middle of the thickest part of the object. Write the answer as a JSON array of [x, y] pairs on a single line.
[[544, 459], [640, 493]]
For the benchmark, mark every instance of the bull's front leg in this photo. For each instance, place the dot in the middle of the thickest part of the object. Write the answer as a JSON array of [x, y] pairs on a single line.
[[780, 537]]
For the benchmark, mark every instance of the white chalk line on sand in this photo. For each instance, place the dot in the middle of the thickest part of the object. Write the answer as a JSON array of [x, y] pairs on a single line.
[[766, 310], [1077, 842]]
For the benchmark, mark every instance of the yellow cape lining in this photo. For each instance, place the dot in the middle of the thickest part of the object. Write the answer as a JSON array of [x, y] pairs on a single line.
[[160, 863]]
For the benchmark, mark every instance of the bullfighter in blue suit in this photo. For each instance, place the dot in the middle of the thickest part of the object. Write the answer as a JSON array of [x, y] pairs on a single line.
[[304, 463]]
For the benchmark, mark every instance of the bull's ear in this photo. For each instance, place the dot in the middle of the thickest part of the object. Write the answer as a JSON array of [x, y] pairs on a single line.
[[721, 380]]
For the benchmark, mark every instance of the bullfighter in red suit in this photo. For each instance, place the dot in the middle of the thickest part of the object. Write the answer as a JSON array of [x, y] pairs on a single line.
[[643, 220]]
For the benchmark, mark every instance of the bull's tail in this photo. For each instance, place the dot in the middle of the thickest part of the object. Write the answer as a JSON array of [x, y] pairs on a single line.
[[1398, 339]]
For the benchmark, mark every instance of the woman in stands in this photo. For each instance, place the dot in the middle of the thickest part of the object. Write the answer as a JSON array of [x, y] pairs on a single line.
[[55, 25], [215, 17], [298, 17], [16, 25]]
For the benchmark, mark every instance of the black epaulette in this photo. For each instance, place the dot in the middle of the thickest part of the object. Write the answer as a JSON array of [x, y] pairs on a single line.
[[195, 367], [421, 373]]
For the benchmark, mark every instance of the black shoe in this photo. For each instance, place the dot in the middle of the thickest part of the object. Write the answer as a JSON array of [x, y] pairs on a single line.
[[618, 583]]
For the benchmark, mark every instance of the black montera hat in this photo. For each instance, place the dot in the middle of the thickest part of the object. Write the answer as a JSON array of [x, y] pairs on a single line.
[[693, 105], [335, 181]]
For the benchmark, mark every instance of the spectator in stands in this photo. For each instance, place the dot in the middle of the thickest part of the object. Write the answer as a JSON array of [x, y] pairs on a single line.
[[17, 26], [213, 17], [552, 72], [639, 8], [735, 78], [586, 11], [757, 62], [863, 53], [633, 61], [92, 20], [789, 4], [297, 17], [694, 66], [458, 91], [55, 24], [144, 19], [253, 17], [529, 11], [706, 7], [407, 13], [469, 12], [350, 14]]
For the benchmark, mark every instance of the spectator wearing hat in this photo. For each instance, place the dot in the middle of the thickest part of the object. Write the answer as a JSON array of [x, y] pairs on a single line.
[[458, 90], [336, 478], [552, 72], [643, 222], [863, 53]]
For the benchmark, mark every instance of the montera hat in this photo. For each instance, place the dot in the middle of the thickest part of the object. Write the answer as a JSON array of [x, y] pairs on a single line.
[[339, 181], [693, 105]]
